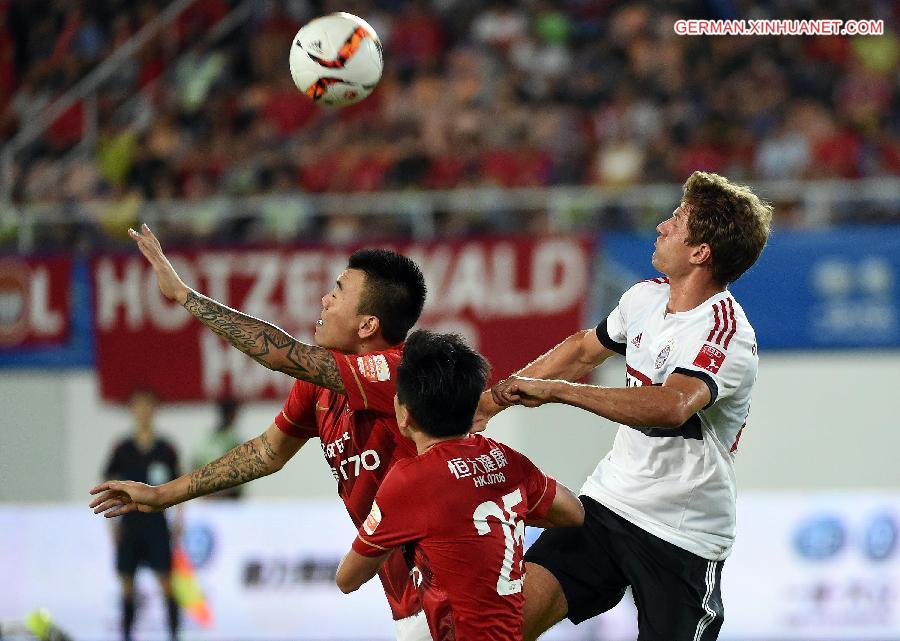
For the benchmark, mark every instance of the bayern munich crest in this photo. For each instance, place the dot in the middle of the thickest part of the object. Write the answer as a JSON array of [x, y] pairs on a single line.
[[664, 354]]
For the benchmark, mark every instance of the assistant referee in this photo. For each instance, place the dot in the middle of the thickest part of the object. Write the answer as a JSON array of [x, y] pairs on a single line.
[[144, 539]]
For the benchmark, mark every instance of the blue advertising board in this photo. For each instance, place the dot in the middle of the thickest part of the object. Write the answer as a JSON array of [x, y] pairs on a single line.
[[829, 289]]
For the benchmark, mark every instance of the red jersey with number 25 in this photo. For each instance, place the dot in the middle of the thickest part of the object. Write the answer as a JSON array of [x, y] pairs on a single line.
[[361, 441], [463, 504]]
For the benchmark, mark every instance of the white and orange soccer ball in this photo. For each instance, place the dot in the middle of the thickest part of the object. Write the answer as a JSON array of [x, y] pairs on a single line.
[[336, 59]]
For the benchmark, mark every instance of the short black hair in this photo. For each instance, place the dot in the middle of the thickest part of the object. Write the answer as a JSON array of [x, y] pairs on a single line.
[[394, 291], [440, 380]]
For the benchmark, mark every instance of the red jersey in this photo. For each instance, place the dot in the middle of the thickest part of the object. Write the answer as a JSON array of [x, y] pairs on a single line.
[[463, 504], [359, 435]]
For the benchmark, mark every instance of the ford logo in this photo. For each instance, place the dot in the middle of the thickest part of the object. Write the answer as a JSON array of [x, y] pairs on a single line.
[[880, 537], [820, 538]]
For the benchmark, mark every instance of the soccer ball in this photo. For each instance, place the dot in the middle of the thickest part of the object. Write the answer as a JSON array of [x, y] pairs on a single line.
[[336, 59]]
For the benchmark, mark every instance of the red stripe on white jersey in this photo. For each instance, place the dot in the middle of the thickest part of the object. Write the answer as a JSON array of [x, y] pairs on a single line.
[[726, 323], [737, 439], [733, 323], [643, 378], [716, 326]]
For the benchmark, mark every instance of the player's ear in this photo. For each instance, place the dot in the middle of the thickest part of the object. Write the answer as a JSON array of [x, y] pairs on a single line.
[[405, 423], [369, 326], [402, 414], [702, 254]]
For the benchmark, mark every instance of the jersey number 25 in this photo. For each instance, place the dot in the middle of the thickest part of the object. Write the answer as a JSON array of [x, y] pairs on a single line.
[[513, 535]]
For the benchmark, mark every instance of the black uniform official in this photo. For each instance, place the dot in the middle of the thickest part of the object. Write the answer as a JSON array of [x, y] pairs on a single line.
[[144, 539]]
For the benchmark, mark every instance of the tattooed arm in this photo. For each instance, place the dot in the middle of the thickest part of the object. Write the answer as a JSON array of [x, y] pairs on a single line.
[[266, 344], [258, 457]]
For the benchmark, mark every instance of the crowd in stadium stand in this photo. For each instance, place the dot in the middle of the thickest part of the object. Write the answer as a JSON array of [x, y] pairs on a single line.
[[516, 94]]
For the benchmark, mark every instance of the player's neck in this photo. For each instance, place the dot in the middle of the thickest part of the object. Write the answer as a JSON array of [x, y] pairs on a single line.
[[687, 292], [372, 345], [424, 442]]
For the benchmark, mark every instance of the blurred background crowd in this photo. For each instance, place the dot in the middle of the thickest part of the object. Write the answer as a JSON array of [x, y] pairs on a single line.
[[475, 93]]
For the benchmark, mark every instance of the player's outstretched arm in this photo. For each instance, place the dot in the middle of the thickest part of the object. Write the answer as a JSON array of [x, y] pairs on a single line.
[[571, 360], [355, 569], [665, 406], [258, 457], [565, 511], [265, 343]]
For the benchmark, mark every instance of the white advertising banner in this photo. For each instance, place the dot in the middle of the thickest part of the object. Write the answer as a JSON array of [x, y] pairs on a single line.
[[266, 570], [806, 567], [815, 566]]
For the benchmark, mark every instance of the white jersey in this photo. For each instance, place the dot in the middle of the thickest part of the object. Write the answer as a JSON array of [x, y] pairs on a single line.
[[678, 484]]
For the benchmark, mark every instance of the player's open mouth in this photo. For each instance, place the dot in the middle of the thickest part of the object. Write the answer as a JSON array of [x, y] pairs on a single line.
[[319, 323]]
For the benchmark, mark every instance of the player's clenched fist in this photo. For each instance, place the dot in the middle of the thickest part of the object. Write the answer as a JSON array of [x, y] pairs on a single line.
[[121, 497], [521, 390]]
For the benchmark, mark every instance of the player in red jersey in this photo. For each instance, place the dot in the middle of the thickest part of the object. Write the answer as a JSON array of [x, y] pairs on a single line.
[[461, 504], [344, 396]]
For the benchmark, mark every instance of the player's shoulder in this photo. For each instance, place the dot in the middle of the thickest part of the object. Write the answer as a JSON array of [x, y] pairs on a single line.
[[409, 466], [724, 324], [447, 455], [649, 287], [501, 453], [411, 475], [391, 353], [487, 443], [645, 294], [376, 366], [479, 442]]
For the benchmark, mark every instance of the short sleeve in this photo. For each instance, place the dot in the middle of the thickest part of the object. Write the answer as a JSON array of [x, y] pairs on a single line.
[[613, 332], [370, 379], [397, 516], [297, 417]]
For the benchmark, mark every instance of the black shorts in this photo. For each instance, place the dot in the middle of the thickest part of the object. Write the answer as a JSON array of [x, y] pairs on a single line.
[[144, 541], [677, 593]]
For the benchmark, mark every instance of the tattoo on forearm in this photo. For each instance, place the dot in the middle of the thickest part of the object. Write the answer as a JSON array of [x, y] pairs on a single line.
[[267, 447], [246, 462], [267, 344]]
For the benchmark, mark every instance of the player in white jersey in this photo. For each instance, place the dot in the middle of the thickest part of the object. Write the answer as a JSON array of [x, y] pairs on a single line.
[[660, 507]]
